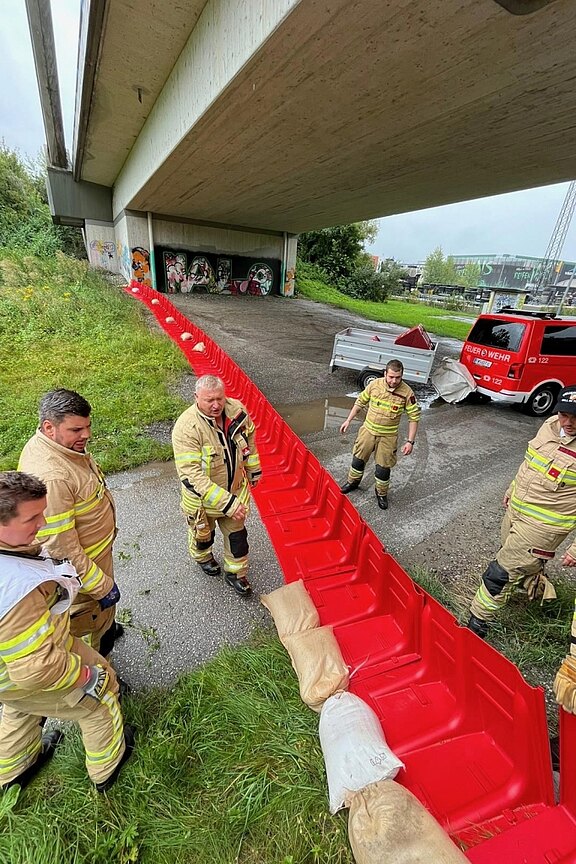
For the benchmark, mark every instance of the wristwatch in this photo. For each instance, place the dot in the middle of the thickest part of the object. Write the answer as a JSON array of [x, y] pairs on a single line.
[[411, 443]]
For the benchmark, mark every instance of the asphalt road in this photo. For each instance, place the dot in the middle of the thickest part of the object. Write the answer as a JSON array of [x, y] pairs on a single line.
[[445, 499]]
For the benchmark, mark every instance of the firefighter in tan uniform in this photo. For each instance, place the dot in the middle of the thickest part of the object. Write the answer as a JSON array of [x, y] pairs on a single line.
[[540, 513], [385, 399], [44, 670], [217, 462], [80, 516]]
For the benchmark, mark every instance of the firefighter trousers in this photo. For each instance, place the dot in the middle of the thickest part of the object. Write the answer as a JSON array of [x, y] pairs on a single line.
[[384, 448], [520, 561], [87, 620], [101, 725], [201, 533]]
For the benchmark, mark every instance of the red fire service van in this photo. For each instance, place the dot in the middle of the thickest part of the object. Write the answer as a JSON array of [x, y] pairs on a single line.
[[524, 358]]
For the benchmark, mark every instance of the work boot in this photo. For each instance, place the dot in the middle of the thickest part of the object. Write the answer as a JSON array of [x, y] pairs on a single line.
[[478, 626], [349, 487], [129, 741], [239, 583], [123, 688], [211, 567], [50, 741], [382, 501], [118, 630]]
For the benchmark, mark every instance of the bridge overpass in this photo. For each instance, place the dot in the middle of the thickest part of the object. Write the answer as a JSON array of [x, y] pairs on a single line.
[[209, 133]]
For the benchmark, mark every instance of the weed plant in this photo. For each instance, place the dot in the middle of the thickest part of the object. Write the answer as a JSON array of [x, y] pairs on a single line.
[[228, 768], [63, 324]]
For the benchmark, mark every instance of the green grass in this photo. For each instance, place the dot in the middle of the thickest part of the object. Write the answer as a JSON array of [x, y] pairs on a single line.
[[64, 325], [228, 768], [434, 320]]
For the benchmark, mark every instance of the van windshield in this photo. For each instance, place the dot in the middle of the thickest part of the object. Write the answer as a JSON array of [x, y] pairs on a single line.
[[497, 334]]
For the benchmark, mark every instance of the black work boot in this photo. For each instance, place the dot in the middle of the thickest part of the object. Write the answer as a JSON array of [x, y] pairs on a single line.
[[382, 501], [211, 567], [129, 738], [478, 626], [239, 583], [347, 487], [50, 741]]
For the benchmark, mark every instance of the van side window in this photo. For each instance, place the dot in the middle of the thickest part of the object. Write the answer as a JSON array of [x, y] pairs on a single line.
[[559, 341], [497, 334]]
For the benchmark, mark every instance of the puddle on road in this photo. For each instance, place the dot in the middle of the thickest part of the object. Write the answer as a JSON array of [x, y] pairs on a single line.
[[320, 415], [152, 472]]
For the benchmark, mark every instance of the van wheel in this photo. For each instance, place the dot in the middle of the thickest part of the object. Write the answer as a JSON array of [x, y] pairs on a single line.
[[542, 401], [366, 376]]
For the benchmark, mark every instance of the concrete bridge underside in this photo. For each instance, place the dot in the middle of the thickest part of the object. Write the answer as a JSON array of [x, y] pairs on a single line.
[[289, 116]]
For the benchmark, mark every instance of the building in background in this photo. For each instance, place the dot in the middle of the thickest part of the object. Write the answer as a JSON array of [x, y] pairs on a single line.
[[514, 271]]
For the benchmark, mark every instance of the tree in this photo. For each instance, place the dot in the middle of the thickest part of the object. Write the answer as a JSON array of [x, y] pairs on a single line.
[[338, 251], [469, 276], [439, 270], [25, 221]]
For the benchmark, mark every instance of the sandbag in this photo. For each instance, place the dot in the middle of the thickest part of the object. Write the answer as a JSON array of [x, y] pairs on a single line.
[[291, 608], [354, 747], [318, 663], [388, 825]]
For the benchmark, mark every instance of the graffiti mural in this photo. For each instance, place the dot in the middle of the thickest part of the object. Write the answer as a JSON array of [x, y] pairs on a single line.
[[103, 253], [141, 265], [123, 256], [181, 271], [289, 283]]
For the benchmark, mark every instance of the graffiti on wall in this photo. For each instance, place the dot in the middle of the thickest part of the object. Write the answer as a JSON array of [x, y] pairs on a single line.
[[141, 265], [289, 283], [182, 272], [103, 254], [123, 255]]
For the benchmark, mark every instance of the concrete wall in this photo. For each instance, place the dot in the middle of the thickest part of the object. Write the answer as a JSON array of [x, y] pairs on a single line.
[[101, 245]]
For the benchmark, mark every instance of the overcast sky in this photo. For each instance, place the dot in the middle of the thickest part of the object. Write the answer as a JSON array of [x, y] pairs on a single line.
[[519, 223]]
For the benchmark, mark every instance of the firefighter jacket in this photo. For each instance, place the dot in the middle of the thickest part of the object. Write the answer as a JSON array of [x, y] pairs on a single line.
[[35, 595], [80, 516], [544, 489], [215, 465], [386, 406]]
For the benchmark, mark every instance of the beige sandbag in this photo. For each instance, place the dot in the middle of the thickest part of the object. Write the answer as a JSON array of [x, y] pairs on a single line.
[[291, 608], [388, 825], [318, 663]]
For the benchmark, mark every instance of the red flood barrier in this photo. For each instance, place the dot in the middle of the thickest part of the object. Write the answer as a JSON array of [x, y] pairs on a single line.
[[470, 730]]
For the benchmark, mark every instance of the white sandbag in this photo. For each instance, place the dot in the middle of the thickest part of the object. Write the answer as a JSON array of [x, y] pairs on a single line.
[[452, 380], [318, 663], [354, 747], [291, 608], [388, 825]]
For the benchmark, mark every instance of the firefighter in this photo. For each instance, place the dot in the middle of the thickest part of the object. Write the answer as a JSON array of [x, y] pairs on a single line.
[[44, 670], [540, 512], [80, 517], [386, 399], [216, 460]]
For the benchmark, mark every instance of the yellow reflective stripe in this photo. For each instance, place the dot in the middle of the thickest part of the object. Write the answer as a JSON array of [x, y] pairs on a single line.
[[485, 599], [5, 682], [378, 429], [253, 462], [193, 456], [71, 676], [97, 548], [545, 466], [27, 642], [57, 524], [541, 514], [110, 753], [364, 398], [22, 759], [413, 412], [214, 495], [92, 579]]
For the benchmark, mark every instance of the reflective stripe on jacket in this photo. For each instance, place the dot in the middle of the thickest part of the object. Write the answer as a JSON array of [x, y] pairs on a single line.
[[214, 466], [80, 517], [35, 638], [544, 489], [385, 406]]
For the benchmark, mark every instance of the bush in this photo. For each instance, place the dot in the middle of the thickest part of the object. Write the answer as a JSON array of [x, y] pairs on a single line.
[[366, 284]]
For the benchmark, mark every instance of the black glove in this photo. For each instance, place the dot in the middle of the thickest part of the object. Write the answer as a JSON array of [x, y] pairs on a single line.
[[111, 598]]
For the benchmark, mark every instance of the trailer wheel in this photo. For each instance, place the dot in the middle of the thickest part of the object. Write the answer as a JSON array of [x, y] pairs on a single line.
[[366, 376], [542, 401]]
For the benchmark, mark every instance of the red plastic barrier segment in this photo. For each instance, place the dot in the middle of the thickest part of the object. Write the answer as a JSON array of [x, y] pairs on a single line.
[[471, 720]]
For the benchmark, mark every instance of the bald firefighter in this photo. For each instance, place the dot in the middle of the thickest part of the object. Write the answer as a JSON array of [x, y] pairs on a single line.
[[217, 461], [80, 515], [386, 400], [540, 513], [44, 670]]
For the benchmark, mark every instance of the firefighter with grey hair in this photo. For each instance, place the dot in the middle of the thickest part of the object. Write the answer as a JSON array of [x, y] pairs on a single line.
[[80, 515], [217, 463], [385, 400], [44, 670]]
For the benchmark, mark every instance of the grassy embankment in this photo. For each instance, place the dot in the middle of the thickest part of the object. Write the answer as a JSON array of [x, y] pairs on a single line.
[[63, 325], [441, 322]]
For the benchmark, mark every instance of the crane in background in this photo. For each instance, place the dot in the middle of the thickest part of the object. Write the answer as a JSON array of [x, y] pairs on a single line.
[[544, 273]]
